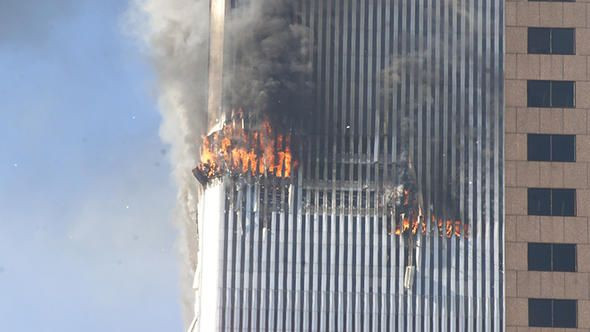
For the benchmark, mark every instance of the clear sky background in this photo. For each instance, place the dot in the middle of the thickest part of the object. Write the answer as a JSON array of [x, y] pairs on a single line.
[[86, 241]]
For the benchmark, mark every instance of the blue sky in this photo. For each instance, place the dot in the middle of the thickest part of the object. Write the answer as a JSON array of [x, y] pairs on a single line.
[[86, 242]]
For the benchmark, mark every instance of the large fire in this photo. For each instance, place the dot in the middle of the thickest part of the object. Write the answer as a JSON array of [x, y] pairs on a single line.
[[235, 150]]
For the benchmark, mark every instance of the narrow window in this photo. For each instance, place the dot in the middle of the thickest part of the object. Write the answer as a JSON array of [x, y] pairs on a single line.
[[563, 202], [544, 147], [563, 41], [538, 147], [539, 256], [539, 93], [563, 148], [563, 257], [553, 313], [562, 94], [542, 93], [564, 313]]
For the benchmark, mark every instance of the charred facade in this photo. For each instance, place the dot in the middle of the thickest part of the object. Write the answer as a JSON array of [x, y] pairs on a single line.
[[390, 217]]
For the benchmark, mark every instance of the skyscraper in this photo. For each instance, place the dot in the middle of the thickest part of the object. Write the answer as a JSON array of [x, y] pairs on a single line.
[[547, 196], [390, 216]]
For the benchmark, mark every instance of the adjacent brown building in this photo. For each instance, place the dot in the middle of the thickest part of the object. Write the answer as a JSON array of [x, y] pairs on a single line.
[[547, 153]]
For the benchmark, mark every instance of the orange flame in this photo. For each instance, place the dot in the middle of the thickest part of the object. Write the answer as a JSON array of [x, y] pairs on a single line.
[[414, 222], [236, 150]]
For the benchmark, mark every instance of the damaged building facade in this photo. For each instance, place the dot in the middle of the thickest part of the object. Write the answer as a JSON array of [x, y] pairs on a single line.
[[370, 196]]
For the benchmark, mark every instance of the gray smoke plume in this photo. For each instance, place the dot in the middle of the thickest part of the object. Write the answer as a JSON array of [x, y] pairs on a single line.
[[270, 70], [267, 75], [176, 33], [418, 66]]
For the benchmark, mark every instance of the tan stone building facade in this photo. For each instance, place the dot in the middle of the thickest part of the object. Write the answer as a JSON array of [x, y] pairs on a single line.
[[547, 248]]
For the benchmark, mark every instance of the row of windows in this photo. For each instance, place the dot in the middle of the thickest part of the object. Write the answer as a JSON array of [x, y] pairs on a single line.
[[555, 202]]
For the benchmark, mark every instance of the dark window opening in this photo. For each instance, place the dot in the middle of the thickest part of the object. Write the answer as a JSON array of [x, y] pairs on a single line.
[[562, 94], [539, 40], [553, 313], [540, 313], [564, 257], [563, 147], [551, 202], [563, 202], [539, 202], [542, 93], [543, 147], [551, 257], [551, 41], [539, 257]]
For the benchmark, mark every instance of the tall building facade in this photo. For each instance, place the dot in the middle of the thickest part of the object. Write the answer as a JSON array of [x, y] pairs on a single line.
[[408, 120], [547, 154]]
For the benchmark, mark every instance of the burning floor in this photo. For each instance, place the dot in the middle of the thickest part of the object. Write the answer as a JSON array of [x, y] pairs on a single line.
[[236, 150], [260, 155]]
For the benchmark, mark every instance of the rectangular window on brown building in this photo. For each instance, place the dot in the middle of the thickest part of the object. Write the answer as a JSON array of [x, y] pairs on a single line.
[[559, 257], [543, 93], [551, 41], [551, 202], [544, 147], [553, 313]]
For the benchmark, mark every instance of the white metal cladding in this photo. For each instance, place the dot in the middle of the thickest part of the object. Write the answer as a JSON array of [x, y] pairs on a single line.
[[304, 256]]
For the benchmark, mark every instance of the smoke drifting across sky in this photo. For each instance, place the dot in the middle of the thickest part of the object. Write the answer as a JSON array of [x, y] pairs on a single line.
[[177, 34]]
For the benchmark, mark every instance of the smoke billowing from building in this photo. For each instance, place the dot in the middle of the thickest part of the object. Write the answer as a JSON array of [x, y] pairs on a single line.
[[177, 34], [397, 106], [268, 52]]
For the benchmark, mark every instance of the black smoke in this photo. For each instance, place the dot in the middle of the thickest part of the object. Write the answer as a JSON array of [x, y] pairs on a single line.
[[270, 68]]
